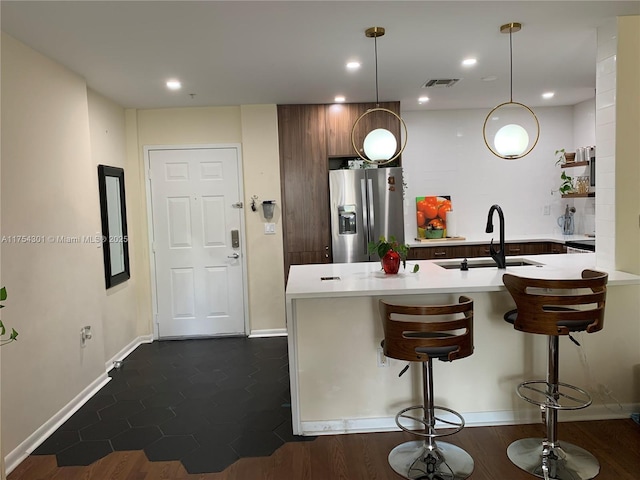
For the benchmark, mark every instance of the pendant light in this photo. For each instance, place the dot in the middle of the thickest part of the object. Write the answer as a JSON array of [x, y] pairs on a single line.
[[511, 139], [380, 146]]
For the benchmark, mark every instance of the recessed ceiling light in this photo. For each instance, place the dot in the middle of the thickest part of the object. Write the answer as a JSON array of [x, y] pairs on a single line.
[[467, 62], [353, 65], [423, 99], [489, 78], [339, 99], [548, 95], [174, 85]]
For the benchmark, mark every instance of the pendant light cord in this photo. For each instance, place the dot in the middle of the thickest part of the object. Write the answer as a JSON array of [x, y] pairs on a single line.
[[510, 65], [375, 43]]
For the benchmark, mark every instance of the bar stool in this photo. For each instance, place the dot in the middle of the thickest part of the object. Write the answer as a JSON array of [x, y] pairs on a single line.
[[555, 308], [419, 334]]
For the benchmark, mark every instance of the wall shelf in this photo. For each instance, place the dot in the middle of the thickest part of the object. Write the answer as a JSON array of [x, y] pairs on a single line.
[[575, 164], [579, 195]]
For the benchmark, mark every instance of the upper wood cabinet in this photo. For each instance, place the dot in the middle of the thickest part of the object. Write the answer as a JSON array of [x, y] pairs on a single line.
[[340, 119]]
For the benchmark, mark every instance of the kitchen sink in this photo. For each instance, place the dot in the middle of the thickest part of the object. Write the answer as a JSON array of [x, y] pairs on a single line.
[[487, 263]]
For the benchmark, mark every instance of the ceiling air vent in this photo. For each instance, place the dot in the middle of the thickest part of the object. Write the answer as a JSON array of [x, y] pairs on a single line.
[[441, 82]]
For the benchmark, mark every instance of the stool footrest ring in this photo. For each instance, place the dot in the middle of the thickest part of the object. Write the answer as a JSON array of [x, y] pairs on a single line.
[[431, 430], [539, 392]]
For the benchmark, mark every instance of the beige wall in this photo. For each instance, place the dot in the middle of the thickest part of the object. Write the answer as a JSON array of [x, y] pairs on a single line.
[[53, 135], [627, 176], [126, 312], [255, 128], [265, 252]]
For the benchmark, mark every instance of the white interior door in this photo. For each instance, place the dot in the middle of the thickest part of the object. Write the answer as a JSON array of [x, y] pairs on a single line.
[[199, 274]]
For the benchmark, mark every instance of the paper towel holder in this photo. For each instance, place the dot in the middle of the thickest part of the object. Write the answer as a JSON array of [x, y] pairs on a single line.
[[267, 208]]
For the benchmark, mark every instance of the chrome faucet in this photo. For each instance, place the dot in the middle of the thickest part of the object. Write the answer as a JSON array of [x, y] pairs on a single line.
[[498, 256]]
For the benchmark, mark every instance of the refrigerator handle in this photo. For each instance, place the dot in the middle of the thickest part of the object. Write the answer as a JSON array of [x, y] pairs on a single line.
[[365, 217], [372, 220]]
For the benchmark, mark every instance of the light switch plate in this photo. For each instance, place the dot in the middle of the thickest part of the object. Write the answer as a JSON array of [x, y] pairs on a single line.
[[269, 228]]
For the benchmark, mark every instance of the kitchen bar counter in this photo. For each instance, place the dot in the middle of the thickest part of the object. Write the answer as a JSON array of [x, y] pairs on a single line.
[[367, 279], [335, 332]]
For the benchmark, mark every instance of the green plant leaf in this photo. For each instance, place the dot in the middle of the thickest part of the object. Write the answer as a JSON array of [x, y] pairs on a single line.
[[2, 329], [13, 335], [416, 267], [3, 294]]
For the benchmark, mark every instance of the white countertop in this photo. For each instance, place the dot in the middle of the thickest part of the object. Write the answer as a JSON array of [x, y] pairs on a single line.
[[486, 238], [367, 279]]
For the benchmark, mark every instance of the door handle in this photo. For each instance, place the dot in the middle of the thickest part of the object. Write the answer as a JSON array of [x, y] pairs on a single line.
[[235, 255]]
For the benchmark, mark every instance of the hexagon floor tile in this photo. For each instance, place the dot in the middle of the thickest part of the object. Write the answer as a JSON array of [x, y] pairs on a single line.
[[205, 402]]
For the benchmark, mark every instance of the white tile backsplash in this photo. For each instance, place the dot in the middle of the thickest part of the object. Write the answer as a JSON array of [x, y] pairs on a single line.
[[605, 66], [605, 218], [604, 163], [606, 196], [606, 131], [439, 162], [606, 82], [606, 116], [605, 99], [607, 180]]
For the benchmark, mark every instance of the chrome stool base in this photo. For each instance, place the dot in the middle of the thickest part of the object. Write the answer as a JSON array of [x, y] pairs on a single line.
[[564, 462], [444, 461]]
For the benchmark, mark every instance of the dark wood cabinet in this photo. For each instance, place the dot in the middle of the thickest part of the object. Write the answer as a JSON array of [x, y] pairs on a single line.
[[308, 136], [436, 252], [340, 119], [304, 183], [439, 252]]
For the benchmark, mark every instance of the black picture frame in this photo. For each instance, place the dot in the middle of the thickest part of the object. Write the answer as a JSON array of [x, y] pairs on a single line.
[[113, 212]]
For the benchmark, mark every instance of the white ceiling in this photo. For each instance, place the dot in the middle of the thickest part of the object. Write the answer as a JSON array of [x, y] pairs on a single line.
[[242, 52]]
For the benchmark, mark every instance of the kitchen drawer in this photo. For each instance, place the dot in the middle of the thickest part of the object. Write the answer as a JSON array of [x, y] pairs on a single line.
[[482, 250], [438, 252]]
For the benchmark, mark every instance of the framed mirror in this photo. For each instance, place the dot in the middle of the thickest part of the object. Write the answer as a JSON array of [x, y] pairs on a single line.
[[113, 210]]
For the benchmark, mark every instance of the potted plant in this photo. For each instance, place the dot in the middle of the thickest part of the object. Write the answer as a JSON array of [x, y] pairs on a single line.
[[567, 184], [13, 336], [563, 157], [391, 253]]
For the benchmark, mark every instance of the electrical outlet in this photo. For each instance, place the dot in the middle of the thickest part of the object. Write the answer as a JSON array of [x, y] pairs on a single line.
[[382, 360], [547, 209]]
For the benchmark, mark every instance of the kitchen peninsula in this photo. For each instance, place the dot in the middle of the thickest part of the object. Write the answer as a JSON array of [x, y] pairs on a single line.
[[337, 385]]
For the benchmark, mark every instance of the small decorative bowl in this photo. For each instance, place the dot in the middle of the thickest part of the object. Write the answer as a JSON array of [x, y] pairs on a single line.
[[434, 233], [569, 157]]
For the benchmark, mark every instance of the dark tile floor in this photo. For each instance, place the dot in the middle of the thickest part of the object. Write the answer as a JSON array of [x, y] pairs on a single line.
[[203, 402]]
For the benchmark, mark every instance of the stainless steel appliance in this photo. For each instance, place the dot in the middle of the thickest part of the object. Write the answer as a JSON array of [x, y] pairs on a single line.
[[365, 204]]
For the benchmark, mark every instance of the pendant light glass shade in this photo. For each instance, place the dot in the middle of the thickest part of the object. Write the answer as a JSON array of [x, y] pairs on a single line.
[[511, 140], [508, 126], [380, 146]]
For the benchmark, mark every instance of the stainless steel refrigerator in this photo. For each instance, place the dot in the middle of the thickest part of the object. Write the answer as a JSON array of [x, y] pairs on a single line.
[[365, 204]]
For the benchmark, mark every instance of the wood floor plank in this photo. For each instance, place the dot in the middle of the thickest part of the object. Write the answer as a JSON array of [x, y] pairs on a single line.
[[616, 444]]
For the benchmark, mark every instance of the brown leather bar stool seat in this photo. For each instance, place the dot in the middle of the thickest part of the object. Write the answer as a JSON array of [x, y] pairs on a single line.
[[420, 334], [555, 308]]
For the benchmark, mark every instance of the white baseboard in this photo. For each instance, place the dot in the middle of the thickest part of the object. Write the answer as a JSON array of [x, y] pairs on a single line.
[[33, 441], [472, 419], [269, 332], [135, 343]]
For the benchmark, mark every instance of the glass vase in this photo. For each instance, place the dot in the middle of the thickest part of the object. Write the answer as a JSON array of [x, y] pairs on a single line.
[[391, 262]]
